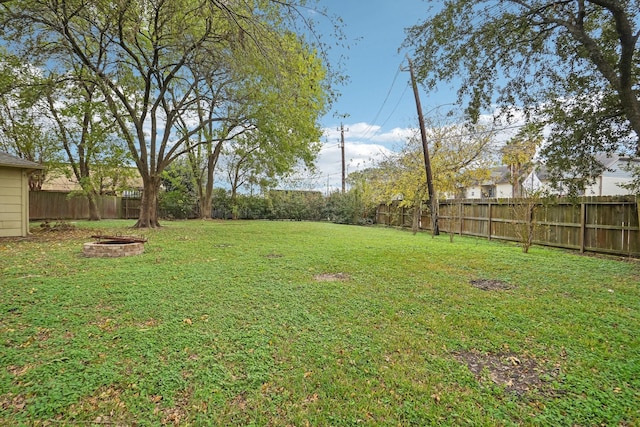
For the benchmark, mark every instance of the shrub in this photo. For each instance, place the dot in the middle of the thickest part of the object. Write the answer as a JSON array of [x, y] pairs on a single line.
[[177, 205]]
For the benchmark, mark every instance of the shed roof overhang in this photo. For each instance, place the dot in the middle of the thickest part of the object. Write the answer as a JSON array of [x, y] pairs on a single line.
[[11, 161]]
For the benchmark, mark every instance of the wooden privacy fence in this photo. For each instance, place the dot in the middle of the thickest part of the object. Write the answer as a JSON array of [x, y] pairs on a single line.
[[60, 205], [130, 208], [591, 224]]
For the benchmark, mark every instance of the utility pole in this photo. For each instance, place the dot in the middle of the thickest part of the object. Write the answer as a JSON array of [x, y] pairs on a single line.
[[342, 131], [425, 148]]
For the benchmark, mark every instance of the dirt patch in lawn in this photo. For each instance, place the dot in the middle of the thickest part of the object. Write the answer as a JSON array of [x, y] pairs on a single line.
[[13, 402], [106, 405], [517, 374], [273, 256], [331, 277], [491, 285], [38, 235]]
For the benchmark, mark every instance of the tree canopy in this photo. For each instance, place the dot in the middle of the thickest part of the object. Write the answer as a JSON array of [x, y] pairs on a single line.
[[572, 65], [153, 62]]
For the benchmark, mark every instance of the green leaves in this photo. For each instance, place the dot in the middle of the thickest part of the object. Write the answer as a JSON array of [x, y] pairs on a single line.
[[156, 66], [459, 155], [573, 65]]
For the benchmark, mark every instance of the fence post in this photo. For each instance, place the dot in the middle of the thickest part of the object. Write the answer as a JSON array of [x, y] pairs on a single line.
[[583, 225], [490, 218], [638, 210], [460, 211]]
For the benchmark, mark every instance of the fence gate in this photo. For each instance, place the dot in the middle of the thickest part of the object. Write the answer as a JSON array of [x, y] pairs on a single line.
[[130, 208]]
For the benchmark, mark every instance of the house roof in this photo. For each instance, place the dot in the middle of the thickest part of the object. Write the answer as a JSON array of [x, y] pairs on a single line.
[[542, 172], [63, 179], [8, 160], [607, 160], [499, 175]]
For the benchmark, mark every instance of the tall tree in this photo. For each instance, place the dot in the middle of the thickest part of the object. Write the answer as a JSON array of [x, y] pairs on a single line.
[[247, 162], [139, 54], [203, 153], [23, 131], [270, 109], [573, 64], [518, 155], [87, 134], [458, 157]]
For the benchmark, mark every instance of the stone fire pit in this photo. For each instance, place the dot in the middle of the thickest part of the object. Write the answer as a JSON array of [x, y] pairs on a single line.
[[114, 246]]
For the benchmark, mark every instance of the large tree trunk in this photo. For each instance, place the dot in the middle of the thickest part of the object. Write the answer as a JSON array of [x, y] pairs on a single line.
[[149, 204], [621, 75], [632, 109], [207, 200], [94, 211], [204, 205], [35, 181], [206, 196], [234, 203]]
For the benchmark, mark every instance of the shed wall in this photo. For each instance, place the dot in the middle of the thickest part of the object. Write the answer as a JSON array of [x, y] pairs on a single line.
[[14, 211]]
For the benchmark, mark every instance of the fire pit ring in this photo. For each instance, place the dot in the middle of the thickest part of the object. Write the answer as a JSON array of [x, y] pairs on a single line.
[[113, 247]]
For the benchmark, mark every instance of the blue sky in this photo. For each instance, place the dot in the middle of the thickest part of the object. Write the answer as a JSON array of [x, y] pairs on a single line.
[[378, 98], [376, 30]]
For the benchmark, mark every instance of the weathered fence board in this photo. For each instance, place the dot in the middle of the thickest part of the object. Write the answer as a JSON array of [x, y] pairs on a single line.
[[60, 205], [594, 224], [130, 208]]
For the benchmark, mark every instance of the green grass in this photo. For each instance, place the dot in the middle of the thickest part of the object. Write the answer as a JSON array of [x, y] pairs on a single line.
[[223, 323]]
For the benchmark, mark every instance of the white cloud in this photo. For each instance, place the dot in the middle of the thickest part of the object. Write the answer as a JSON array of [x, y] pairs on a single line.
[[365, 133], [351, 131], [357, 156], [359, 153], [366, 145], [394, 136]]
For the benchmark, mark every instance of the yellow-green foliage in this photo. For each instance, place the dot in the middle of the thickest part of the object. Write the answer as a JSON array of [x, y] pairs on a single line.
[[458, 158]]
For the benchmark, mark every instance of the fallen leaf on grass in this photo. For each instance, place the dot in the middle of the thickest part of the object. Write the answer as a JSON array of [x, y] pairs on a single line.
[[188, 321], [514, 360], [313, 398]]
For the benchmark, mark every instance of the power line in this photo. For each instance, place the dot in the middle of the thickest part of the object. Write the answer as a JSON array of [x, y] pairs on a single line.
[[331, 146], [482, 132], [366, 132], [396, 106]]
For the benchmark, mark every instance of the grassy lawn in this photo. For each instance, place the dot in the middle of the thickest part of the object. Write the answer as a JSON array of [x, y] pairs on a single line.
[[295, 323]]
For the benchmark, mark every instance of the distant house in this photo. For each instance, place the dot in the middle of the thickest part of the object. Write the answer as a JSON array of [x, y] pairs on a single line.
[[496, 186], [609, 183], [14, 194], [616, 173], [63, 180]]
